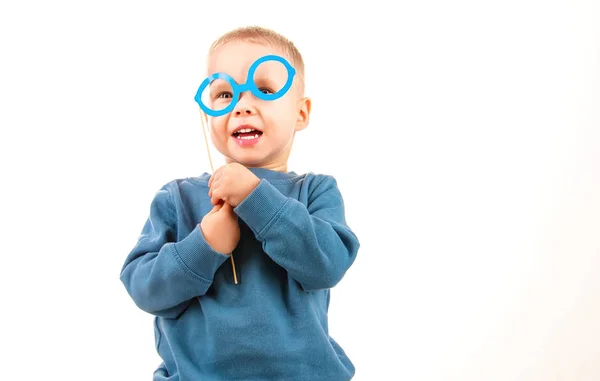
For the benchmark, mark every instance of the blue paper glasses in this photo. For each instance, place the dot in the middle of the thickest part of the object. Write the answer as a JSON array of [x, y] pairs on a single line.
[[219, 93]]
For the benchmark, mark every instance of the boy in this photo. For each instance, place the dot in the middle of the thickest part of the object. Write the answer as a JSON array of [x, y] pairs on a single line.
[[287, 233]]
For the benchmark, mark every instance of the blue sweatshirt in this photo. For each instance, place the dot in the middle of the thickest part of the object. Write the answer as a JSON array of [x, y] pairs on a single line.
[[295, 245]]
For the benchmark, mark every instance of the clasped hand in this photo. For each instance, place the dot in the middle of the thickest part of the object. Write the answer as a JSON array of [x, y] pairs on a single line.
[[231, 183], [228, 187]]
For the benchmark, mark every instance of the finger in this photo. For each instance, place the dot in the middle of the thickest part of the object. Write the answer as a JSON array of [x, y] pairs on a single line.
[[215, 185], [210, 188], [218, 173], [214, 176], [215, 196]]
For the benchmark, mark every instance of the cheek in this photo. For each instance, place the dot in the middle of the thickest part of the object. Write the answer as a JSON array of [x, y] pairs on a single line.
[[218, 126], [282, 114], [218, 133]]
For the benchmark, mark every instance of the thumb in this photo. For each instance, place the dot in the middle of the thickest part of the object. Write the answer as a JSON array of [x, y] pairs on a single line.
[[215, 209], [227, 208]]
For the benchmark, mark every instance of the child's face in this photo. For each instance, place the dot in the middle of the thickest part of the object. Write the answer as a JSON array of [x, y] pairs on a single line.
[[277, 119]]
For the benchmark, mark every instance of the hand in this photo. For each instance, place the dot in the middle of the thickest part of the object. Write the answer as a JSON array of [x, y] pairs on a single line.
[[231, 183], [220, 228]]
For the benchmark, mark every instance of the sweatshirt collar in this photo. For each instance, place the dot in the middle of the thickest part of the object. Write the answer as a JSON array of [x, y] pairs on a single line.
[[269, 174]]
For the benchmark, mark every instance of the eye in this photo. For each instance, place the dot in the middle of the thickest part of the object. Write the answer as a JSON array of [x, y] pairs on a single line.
[[265, 90], [225, 94]]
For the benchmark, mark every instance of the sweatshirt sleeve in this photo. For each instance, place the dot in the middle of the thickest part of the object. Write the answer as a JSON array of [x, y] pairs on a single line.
[[313, 243], [161, 275]]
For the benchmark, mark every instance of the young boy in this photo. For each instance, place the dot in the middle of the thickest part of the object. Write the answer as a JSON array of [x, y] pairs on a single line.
[[287, 233]]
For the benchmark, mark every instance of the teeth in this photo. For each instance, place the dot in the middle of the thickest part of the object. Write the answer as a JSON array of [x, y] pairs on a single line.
[[246, 130], [248, 137]]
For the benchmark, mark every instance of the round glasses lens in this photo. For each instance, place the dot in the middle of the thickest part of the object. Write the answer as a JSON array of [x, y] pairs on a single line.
[[218, 95], [270, 77]]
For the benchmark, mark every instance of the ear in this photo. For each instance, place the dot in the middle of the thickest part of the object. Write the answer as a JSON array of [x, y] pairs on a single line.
[[304, 106]]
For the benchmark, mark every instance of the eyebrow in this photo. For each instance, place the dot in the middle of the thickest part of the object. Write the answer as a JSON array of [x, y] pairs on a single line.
[[219, 88], [263, 78]]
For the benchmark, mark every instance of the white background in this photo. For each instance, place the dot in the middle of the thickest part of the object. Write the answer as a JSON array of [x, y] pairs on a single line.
[[465, 137]]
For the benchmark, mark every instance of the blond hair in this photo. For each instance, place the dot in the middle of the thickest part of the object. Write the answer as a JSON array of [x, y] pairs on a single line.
[[268, 37]]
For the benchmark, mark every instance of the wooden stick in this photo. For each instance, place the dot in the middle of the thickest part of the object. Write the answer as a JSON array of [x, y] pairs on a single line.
[[212, 169]]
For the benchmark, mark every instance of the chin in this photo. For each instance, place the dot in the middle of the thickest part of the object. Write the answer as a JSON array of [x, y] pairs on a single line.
[[251, 163]]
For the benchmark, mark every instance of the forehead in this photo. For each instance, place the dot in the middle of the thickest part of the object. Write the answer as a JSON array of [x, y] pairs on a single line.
[[235, 59]]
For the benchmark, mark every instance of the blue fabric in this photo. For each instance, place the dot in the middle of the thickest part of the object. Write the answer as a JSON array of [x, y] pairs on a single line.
[[295, 245]]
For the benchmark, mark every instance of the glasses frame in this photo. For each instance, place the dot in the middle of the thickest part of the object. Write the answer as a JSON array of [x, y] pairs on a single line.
[[248, 86]]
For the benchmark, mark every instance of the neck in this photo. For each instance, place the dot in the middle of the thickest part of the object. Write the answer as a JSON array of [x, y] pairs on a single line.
[[279, 167], [276, 167]]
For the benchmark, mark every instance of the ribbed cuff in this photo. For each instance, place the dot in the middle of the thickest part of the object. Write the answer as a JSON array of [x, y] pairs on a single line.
[[198, 256], [261, 206]]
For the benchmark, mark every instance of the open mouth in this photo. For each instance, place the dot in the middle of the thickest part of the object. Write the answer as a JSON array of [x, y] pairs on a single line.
[[247, 134]]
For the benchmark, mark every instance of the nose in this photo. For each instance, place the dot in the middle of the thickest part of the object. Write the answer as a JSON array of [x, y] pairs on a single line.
[[243, 111], [244, 106]]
